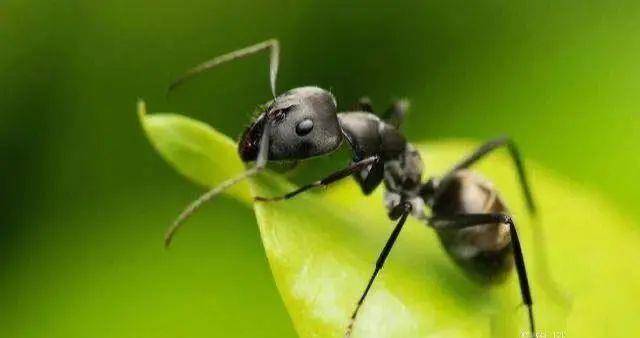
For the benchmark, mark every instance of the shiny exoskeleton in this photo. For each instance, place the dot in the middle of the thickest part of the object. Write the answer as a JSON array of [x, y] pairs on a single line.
[[465, 210], [484, 250]]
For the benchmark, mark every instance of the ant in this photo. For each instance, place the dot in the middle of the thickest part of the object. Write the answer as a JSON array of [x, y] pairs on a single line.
[[469, 217]]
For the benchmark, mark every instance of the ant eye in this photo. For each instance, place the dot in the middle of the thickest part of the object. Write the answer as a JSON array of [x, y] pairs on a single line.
[[304, 127]]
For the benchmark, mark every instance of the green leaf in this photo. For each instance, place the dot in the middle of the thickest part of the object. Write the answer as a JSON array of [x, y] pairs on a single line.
[[196, 150], [322, 246]]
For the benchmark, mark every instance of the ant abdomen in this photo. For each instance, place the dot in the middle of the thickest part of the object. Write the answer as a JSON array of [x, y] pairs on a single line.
[[484, 251]]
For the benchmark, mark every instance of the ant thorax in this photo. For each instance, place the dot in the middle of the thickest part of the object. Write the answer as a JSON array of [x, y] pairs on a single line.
[[402, 180], [400, 167]]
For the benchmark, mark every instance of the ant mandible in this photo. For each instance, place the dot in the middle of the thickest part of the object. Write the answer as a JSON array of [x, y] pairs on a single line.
[[469, 217]]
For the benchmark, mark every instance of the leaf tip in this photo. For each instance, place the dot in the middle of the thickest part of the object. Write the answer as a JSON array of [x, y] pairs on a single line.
[[142, 109]]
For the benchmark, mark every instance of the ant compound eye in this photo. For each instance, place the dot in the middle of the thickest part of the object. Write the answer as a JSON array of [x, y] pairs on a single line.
[[304, 127]]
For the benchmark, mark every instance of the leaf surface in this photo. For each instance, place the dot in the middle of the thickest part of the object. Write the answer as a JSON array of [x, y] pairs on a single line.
[[322, 246]]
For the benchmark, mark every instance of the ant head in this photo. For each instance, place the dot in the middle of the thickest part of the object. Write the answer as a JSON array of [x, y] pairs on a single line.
[[303, 123]]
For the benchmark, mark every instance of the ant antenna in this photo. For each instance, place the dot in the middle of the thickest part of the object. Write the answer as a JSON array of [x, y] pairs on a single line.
[[261, 161], [274, 60]]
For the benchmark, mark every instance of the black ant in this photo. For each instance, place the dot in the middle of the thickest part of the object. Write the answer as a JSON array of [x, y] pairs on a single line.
[[470, 218]]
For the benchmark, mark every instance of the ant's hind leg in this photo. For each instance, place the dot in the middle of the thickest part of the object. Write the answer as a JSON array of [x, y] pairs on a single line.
[[334, 177], [485, 149], [468, 220], [542, 265]]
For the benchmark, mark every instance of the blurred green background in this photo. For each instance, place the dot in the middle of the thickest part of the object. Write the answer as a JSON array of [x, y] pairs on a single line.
[[85, 200]]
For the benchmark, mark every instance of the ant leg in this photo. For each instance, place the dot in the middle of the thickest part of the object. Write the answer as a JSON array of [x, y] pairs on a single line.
[[363, 104], [469, 220], [274, 60], [515, 156], [336, 176], [404, 210], [395, 114], [542, 265], [261, 162]]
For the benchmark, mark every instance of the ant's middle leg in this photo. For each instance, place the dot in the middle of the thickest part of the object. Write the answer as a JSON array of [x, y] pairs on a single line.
[[401, 211], [336, 176], [395, 114], [363, 104]]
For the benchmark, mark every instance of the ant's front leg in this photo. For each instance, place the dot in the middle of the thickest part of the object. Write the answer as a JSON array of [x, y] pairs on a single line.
[[336, 176]]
